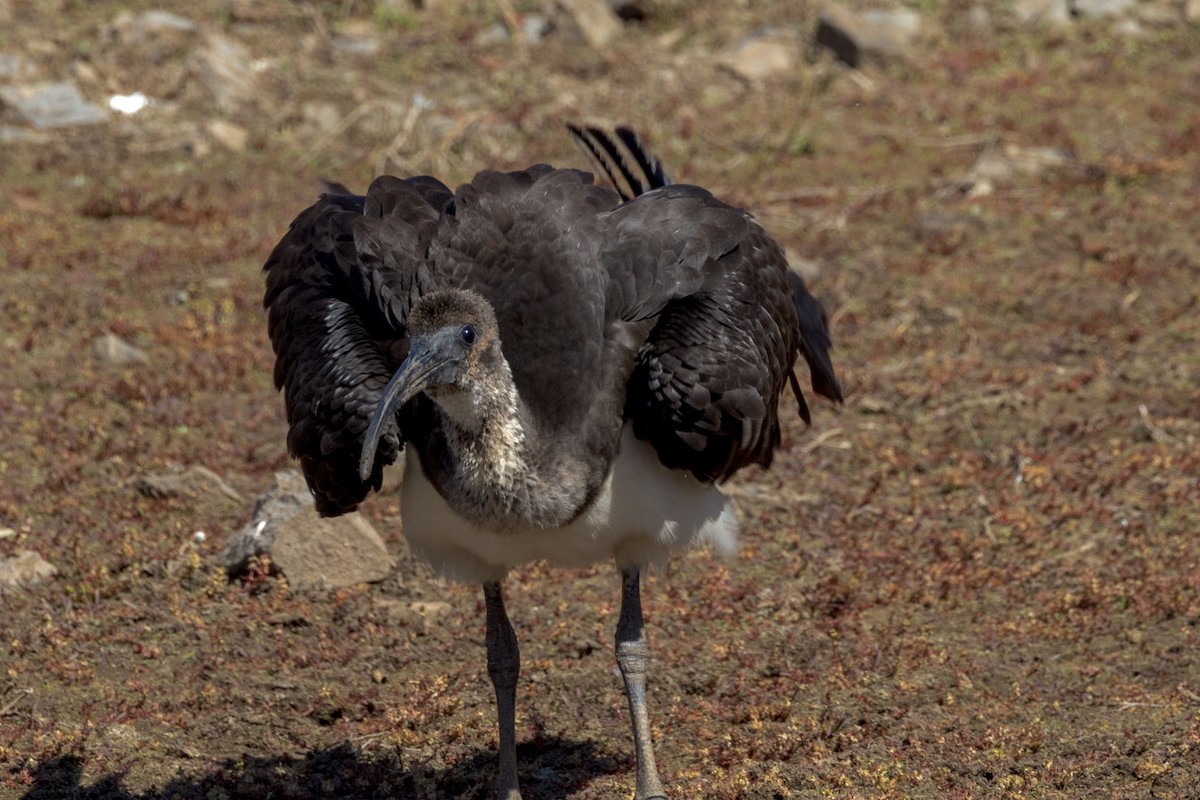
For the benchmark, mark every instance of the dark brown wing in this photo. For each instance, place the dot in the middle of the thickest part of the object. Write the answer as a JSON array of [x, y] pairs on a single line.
[[706, 386], [338, 289], [731, 316]]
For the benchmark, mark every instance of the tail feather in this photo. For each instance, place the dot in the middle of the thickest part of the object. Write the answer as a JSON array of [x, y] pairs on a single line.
[[614, 157], [814, 340]]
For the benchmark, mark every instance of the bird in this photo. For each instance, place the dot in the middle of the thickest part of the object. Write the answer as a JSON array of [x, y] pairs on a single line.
[[570, 372]]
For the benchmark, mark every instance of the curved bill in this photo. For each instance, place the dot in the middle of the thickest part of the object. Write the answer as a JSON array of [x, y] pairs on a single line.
[[414, 375]]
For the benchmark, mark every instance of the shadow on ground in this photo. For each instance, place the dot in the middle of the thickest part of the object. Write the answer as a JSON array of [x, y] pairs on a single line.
[[550, 767]]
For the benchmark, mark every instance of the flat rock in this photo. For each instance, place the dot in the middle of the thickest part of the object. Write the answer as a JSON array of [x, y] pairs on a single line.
[[151, 36], [112, 349], [311, 551], [184, 481], [14, 68], [52, 105], [25, 569], [758, 58], [1102, 8], [230, 136], [1056, 13], [222, 66], [879, 35], [594, 21]]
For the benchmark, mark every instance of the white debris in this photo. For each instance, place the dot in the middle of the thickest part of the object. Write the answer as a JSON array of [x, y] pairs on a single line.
[[129, 103]]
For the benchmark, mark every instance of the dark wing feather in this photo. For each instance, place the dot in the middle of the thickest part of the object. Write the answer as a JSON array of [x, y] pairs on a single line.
[[814, 342], [339, 286], [706, 385], [731, 316]]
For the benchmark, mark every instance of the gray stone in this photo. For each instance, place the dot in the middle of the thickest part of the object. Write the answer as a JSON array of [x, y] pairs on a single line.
[[151, 36], [759, 58], [190, 481], [223, 67], [879, 35], [1101, 8], [593, 20], [52, 105], [535, 27], [230, 136], [1056, 13], [14, 68], [355, 43], [112, 349], [321, 117], [25, 569], [311, 551], [494, 34]]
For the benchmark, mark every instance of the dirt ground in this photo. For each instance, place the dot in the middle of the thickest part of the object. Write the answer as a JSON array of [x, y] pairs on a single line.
[[980, 577]]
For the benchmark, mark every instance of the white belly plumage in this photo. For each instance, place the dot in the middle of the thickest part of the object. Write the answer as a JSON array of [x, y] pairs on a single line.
[[643, 514]]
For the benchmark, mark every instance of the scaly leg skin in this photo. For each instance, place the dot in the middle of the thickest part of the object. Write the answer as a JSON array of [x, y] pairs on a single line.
[[504, 665], [633, 656]]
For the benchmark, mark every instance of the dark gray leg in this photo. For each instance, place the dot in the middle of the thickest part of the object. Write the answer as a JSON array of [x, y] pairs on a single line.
[[504, 665], [633, 656]]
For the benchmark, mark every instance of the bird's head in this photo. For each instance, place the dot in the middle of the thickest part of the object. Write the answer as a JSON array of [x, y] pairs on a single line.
[[453, 342]]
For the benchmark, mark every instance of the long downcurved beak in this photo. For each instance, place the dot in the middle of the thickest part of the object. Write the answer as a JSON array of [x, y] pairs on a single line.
[[422, 369]]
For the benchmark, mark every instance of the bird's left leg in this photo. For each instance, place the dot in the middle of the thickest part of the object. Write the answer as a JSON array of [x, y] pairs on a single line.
[[633, 657], [504, 665]]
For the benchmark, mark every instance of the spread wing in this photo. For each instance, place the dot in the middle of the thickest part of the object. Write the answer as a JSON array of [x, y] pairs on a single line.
[[339, 286], [730, 317]]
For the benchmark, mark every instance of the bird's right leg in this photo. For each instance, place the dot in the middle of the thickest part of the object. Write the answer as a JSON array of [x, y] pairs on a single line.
[[504, 665], [633, 657]]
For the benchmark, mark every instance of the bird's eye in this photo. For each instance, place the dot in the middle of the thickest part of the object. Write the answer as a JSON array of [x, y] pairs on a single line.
[[467, 334]]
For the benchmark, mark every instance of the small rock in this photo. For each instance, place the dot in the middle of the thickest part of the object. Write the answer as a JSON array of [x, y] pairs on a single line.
[[880, 35], [536, 27], [1101, 8], [259, 10], [191, 481], [943, 232], [1056, 13], [355, 42], [112, 349], [223, 68], [321, 117], [25, 569], [979, 20], [1191, 10], [758, 58], [13, 68], [494, 34], [806, 268], [593, 20], [873, 405], [415, 614], [313, 552], [52, 105], [151, 36], [228, 135], [430, 608]]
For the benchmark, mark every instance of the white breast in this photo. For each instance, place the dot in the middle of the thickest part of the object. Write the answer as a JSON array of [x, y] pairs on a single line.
[[643, 514]]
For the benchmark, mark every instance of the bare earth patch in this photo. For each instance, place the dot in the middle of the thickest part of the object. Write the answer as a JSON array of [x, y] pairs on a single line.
[[979, 578]]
